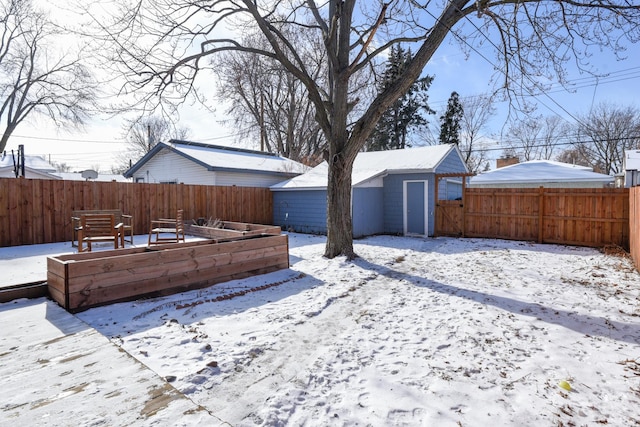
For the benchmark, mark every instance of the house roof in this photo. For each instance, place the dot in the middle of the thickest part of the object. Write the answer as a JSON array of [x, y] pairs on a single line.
[[542, 171], [30, 173], [372, 164], [31, 162], [220, 158]]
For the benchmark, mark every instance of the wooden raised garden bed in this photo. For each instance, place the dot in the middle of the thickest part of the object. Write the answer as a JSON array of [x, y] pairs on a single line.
[[84, 280], [230, 229]]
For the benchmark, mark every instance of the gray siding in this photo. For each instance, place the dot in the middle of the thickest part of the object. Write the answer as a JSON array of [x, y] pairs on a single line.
[[393, 203], [301, 211], [367, 211], [451, 164], [450, 189]]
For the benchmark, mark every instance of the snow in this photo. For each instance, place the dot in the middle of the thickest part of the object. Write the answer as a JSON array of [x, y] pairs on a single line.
[[540, 171], [416, 331], [371, 164], [222, 157]]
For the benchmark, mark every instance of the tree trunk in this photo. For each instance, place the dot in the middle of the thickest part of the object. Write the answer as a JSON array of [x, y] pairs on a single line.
[[339, 223]]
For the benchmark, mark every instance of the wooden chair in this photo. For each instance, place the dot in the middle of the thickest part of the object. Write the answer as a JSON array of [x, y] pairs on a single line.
[[99, 228], [126, 220], [163, 226]]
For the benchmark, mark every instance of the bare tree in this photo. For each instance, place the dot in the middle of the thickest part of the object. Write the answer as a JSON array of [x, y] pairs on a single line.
[[162, 44], [575, 156], [268, 103], [476, 113], [537, 138], [34, 77], [554, 136], [602, 135], [142, 135]]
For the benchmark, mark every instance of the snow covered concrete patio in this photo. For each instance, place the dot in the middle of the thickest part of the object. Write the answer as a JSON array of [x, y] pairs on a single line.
[[415, 332]]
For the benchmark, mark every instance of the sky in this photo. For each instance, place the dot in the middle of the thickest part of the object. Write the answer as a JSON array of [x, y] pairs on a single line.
[[94, 146], [415, 332]]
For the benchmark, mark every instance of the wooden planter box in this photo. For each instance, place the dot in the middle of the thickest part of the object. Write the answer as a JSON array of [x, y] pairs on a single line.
[[229, 229], [80, 281]]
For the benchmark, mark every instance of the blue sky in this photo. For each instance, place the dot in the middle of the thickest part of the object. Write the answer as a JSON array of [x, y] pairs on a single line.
[[619, 83], [453, 71]]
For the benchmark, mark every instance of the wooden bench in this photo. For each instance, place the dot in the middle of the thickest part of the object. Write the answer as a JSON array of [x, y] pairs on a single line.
[[119, 217], [99, 228]]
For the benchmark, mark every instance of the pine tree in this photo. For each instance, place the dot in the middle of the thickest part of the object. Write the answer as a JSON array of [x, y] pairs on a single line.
[[406, 113], [450, 121]]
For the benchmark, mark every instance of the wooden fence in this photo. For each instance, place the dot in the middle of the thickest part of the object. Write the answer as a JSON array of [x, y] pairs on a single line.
[[34, 211], [634, 225], [572, 216]]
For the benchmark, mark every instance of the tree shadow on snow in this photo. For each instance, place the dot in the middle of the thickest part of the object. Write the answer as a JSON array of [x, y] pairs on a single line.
[[584, 324], [458, 245]]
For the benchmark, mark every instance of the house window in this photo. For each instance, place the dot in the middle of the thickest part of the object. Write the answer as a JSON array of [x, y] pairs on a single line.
[[175, 181], [140, 179]]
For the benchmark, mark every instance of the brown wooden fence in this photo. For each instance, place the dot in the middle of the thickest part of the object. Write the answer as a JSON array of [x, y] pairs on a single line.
[[34, 211], [584, 217], [634, 224]]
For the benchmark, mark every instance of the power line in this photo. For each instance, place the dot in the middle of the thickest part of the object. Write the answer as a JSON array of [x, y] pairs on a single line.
[[556, 144]]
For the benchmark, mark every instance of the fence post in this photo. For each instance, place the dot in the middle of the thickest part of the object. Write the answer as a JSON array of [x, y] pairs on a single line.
[[540, 213]]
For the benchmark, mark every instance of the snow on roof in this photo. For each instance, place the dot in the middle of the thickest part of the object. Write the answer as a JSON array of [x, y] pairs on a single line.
[[234, 158], [33, 162], [540, 171], [371, 164], [30, 173], [216, 157]]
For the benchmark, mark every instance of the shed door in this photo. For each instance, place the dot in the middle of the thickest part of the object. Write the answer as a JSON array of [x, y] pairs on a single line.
[[415, 207]]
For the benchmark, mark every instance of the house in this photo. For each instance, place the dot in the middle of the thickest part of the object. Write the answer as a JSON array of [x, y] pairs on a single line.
[[35, 167], [541, 173], [631, 167], [393, 192], [203, 164]]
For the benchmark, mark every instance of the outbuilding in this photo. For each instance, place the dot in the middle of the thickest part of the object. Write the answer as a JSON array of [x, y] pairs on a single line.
[[189, 162], [393, 192]]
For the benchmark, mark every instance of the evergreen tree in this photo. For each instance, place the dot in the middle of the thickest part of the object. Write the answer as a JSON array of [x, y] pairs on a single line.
[[450, 121], [407, 113]]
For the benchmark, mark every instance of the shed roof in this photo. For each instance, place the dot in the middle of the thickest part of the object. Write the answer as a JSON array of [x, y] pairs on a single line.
[[220, 158], [371, 164], [540, 171]]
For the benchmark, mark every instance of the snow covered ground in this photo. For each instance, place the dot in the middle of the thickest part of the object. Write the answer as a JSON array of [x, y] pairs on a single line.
[[415, 332]]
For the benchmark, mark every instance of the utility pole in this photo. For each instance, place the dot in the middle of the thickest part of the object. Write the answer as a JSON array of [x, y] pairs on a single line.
[[21, 154], [262, 131]]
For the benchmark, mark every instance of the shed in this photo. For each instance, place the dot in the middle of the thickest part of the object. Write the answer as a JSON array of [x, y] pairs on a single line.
[[203, 164], [393, 192], [541, 173], [631, 167]]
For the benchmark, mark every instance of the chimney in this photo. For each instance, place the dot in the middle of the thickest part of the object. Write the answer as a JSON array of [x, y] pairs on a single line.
[[506, 161]]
